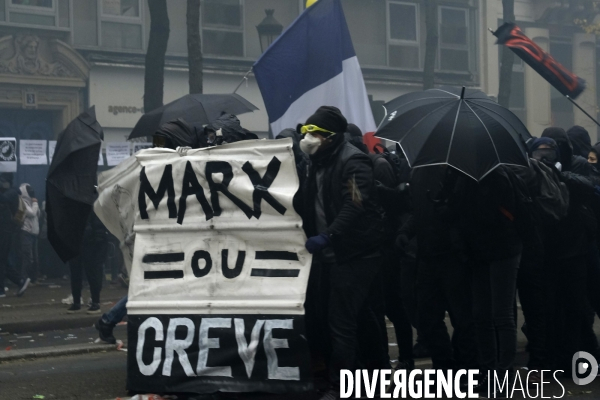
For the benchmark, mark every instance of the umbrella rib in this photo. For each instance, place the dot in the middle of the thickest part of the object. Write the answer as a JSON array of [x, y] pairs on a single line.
[[453, 131], [447, 92], [488, 132], [450, 165]]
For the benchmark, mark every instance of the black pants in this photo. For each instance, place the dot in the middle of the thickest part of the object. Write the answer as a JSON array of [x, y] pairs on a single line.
[[29, 264], [6, 269], [594, 278], [494, 290], [568, 309], [532, 284], [444, 285], [395, 308], [91, 260], [372, 329]]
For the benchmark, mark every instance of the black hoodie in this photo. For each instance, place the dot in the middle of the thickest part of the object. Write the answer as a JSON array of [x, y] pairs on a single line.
[[569, 161], [572, 236]]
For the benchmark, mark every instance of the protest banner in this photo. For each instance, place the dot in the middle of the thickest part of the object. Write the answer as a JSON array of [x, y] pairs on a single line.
[[218, 267], [8, 154], [33, 152]]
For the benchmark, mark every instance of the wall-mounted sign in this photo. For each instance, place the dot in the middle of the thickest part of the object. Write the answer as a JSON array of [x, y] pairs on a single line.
[[116, 110], [8, 154], [117, 152], [33, 152]]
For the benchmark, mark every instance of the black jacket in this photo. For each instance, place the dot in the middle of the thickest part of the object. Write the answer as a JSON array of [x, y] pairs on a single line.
[[437, 236], [487, 212], [354, 218], [9, 204]]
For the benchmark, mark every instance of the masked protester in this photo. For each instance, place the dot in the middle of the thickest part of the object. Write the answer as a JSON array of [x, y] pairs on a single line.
[[442, 272], [569, 248], [9, 229], [580, 140], [344, 226], [532, 282]]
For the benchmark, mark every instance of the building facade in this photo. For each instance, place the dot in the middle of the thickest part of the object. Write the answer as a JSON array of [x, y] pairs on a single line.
[[58, 57]]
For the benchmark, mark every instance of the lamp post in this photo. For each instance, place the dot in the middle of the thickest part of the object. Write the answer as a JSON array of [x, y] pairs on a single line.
[[268, 30]]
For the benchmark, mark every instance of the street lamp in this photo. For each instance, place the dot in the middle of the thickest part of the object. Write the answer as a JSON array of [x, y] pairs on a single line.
[[268, 30]]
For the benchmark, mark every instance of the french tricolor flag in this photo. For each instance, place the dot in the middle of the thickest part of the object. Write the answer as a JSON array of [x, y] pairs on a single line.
[[312, 64]]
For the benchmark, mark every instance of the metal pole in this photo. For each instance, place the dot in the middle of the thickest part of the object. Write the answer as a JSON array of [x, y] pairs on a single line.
[[582, 110], [242, 81]]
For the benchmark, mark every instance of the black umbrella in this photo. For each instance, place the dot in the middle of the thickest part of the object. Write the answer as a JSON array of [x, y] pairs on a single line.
[[461, 128], [195, 109], [71, 183]]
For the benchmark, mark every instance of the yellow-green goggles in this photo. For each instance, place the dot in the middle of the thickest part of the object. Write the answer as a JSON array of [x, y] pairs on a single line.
[[313, 128]]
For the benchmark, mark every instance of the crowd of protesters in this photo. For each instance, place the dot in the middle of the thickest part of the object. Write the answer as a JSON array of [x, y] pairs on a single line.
[[412, 245], [416, 245]]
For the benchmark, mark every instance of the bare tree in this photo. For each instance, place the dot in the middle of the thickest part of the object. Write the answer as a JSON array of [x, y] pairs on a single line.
[[431, 44], [194, 46], [508, 58], [155, 55]]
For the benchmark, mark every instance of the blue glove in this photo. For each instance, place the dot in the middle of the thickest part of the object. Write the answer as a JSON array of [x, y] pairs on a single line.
[[317, 243]]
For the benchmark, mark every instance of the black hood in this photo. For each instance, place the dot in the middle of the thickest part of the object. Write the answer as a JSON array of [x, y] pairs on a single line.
[[565, 147], [178, 134], [227, 129], [580, 139]]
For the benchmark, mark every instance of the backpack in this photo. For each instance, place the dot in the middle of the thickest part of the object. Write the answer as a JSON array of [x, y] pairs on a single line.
[[401, 169], [19, 216], [552, 200]]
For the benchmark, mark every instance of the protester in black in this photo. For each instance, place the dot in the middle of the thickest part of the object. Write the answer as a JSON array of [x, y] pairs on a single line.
[[91, 260], [442, 274], [567, 260], [395, 204], [487, 216], [9, 229], [345, 229]]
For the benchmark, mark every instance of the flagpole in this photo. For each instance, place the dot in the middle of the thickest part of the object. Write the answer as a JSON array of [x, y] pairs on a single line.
[[582, 110], [242, 81]]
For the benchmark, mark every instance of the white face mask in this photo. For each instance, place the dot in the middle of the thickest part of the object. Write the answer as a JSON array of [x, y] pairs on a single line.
[[310, 144]]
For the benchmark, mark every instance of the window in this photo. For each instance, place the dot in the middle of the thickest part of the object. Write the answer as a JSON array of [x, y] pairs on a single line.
[[454, 39], [223, 28], [403, 35], [34, 3], [121, 24], [50, 13]]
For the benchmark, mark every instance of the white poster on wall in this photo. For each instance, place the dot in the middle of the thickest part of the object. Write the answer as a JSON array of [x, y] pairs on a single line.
[[116, 152], [141, 146], [51, 149], [33, 152], [8, 154]]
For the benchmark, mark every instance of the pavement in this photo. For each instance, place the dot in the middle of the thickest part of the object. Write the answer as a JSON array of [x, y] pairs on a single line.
[[44, 351], [40, 308]]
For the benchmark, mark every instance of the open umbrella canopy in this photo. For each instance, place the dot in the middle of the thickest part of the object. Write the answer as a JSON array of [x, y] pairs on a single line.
[[195, 109], [461, 128], [71, 183]]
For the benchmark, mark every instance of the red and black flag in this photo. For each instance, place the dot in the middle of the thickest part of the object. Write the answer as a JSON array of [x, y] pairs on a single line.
[[543, 63]]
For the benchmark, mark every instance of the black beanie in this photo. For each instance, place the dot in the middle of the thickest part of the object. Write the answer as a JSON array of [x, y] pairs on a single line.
[[329, 118]]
